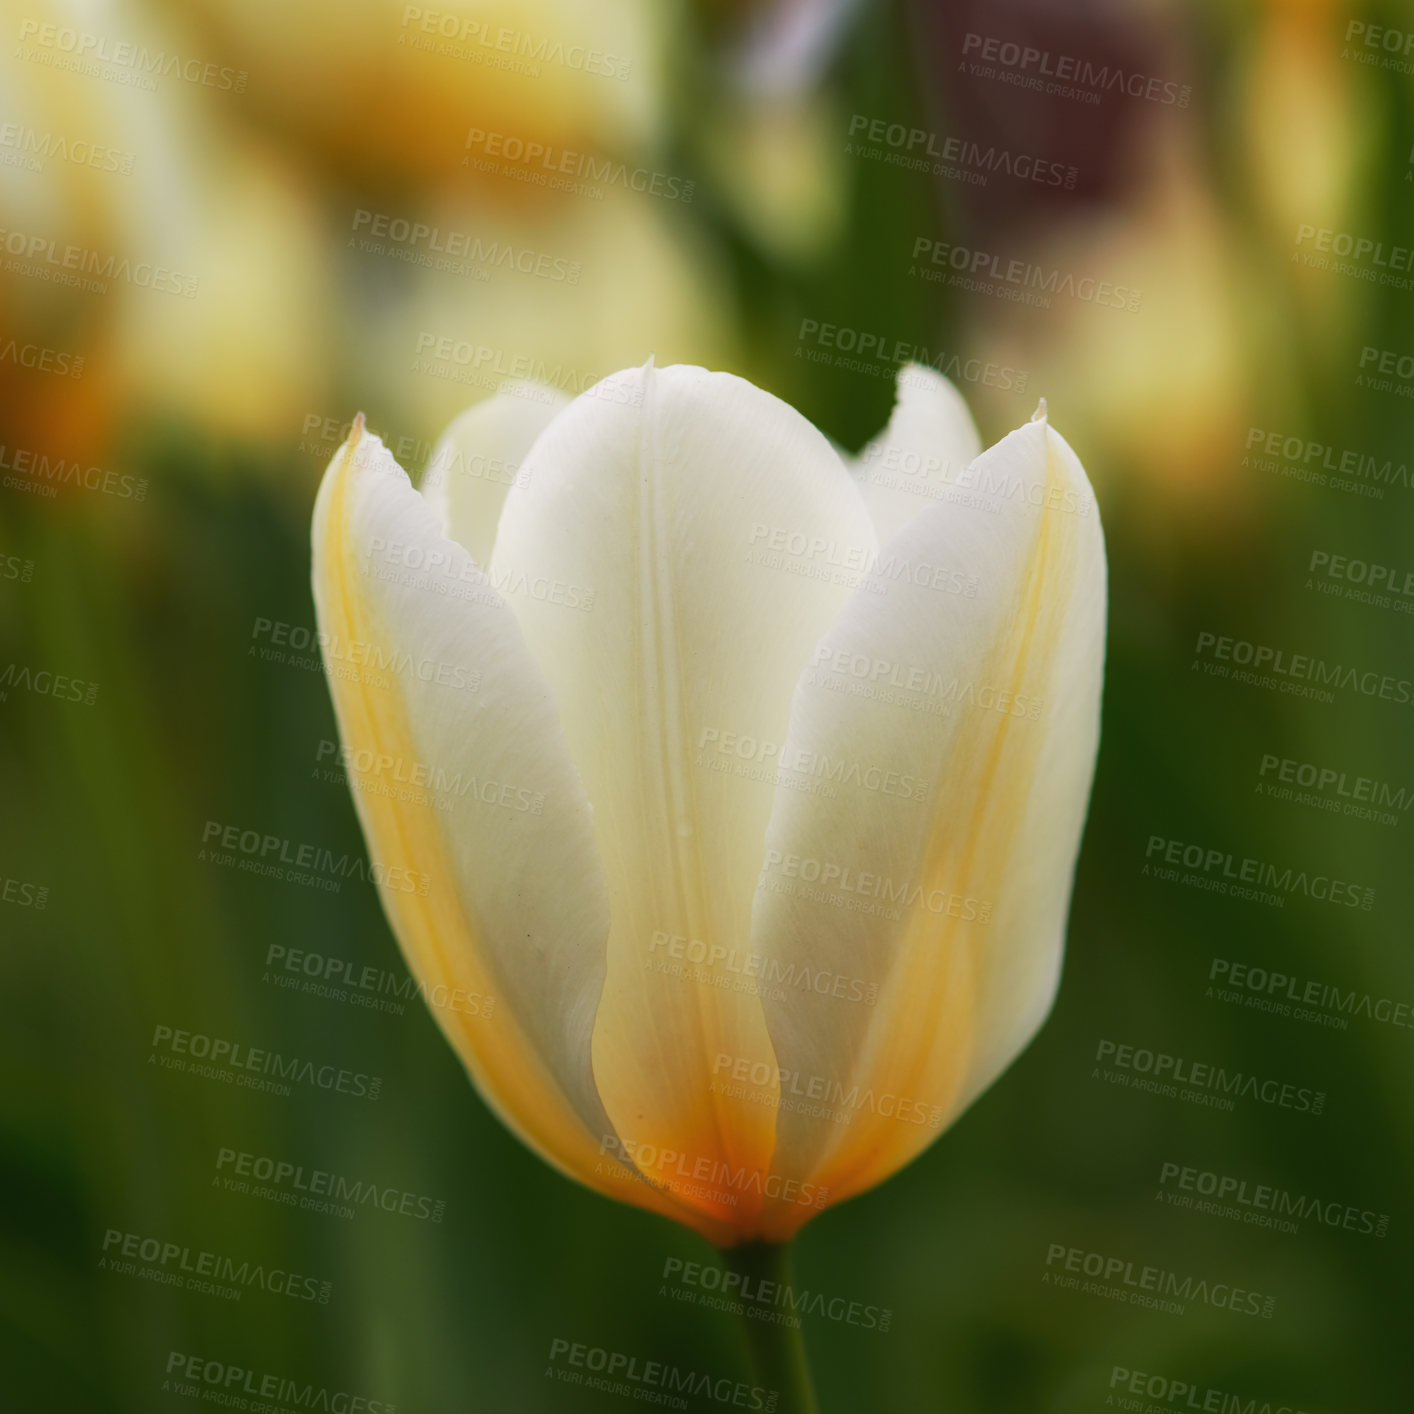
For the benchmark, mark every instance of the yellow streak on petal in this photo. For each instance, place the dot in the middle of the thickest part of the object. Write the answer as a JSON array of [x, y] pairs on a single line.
[[435, 931], [721, 1142], [925, 1052]]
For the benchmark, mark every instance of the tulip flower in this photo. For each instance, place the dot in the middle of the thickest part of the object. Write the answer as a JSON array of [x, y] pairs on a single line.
[[745, 782]]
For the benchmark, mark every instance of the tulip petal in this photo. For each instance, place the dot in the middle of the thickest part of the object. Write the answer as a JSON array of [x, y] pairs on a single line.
[[937, 921], [682, 541], [919, 457], [480, 455], [475, 820]]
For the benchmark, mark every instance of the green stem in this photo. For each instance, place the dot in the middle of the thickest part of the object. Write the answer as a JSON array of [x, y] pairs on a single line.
[[776, 1350]]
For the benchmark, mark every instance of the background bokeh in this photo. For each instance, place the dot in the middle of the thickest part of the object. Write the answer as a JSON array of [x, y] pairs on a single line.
[[171, 393]]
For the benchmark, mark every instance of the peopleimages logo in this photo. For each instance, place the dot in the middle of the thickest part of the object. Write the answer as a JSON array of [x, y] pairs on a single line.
[[34, 147], [1064, 75], [1361, 581], [1302, 999], [833, 876], [868, 351], [1395, 369], [822, 1096], [277, 857], [688, 1175], [1223, 872], [446, 248], [1016, 279], [213, 1273], [422, 783], [650, 1381], [84, 52], [45, 475], [253, 1067], [464, 38], [1301, 459], [702, 958], [317, 1190], [1299, 673], [40, 359], [1162, 1073], [1361, 256], [1184, 1395], [1119, 1278], [1331, 780], [44, 683], [880, 673], [873, 569], [22, 894], [561, 169], [480, 365], [797, 761], [90, 269], [216, 1382], [1332, 789], [918, 150], [1264, 1204], [759, 1294], [274, 641], [324, 975]]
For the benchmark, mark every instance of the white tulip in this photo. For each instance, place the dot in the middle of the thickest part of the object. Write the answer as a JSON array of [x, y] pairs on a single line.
[[740, 786]]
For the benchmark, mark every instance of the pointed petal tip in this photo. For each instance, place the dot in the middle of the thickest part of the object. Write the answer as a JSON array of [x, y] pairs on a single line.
[[1040, 414]]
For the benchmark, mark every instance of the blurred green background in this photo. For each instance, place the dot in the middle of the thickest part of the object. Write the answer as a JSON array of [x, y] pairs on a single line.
[[244, 165]]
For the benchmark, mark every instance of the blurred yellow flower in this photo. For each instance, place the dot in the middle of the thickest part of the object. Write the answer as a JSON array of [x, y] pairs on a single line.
[[779, 162], [1154, 376], [174, 267], [562, 291], [244, 354], [66, 162], [386, 90]]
